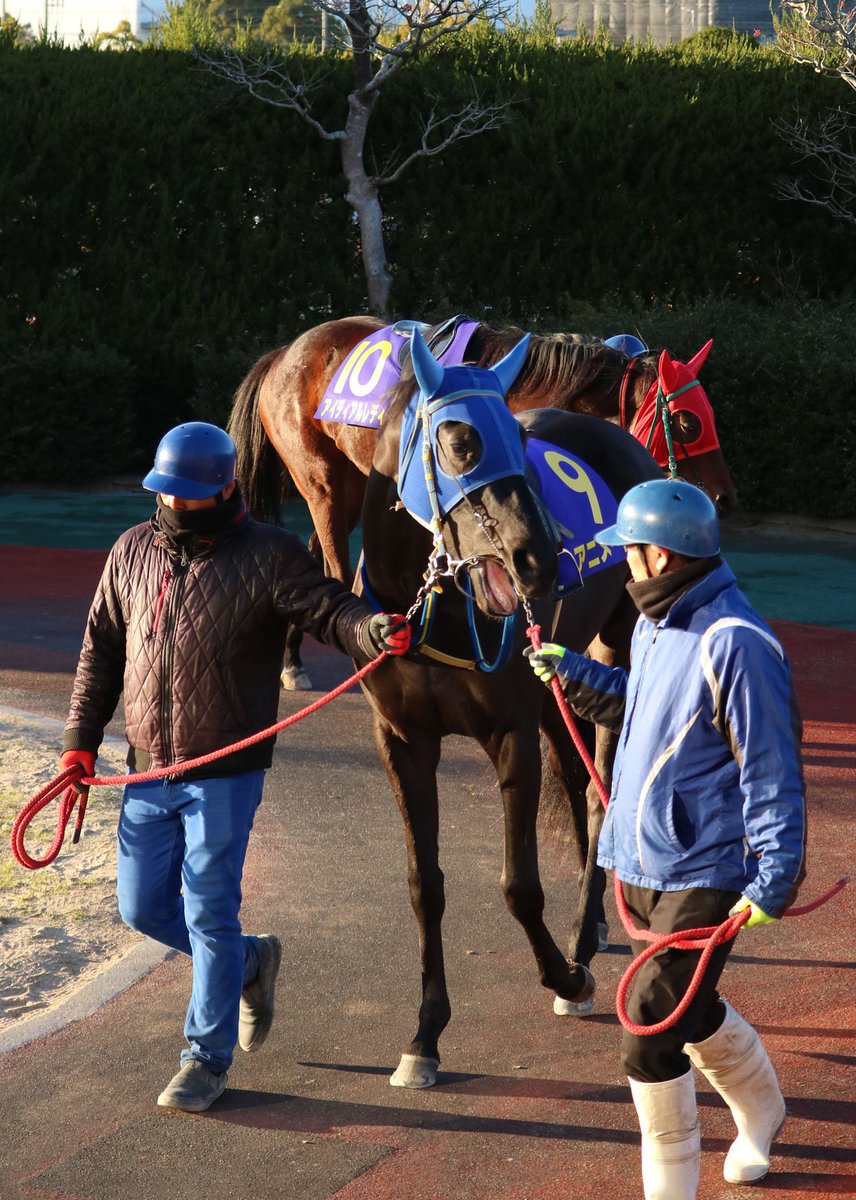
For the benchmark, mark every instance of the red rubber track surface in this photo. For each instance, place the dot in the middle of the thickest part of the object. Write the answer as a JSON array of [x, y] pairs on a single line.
[[527, 1107]]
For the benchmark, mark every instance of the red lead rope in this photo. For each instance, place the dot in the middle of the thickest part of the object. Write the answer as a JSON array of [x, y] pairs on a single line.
[[705, 939], [75, 786]]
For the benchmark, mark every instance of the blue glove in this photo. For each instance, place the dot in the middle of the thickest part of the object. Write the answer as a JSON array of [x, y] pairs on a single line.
[[759, 917], [551, 660]]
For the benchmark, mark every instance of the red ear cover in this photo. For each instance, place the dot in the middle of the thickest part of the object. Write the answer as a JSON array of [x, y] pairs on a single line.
[[698, 360], [669, 373]]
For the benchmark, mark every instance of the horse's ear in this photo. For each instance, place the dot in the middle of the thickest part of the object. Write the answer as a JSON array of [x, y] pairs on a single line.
[[668, 373], [697, 361], [428, 372], [508, 368]]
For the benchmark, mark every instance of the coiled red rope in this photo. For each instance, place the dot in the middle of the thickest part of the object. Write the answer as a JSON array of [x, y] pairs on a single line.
[[705, 939], [74, 785]]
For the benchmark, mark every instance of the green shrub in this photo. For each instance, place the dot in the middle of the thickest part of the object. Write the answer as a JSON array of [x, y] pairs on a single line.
[[160, 229], [69, 415]]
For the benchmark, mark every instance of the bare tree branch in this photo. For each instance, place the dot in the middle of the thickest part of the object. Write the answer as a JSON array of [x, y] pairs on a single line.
[[266, 78], [416, 26], [474, 118], [822, 34], [829, 156]]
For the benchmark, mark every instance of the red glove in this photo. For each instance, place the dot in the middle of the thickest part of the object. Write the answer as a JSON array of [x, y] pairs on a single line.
[[85, 758], [389, 632]]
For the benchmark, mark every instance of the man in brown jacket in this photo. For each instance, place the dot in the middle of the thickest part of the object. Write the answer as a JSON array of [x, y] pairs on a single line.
[[189, 622]]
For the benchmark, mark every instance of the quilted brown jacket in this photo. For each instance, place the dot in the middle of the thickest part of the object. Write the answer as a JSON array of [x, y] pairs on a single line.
[[196, 644]]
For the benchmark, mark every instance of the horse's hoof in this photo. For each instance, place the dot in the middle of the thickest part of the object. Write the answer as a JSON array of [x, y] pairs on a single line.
[[572, 1008], [602, 936], [295, 679], [415, 1072], [584, 1003]]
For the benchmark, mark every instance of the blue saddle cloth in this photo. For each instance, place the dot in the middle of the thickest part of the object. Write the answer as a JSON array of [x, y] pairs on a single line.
[[581, 504]]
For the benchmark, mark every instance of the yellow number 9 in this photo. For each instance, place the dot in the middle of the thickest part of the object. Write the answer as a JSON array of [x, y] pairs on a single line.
[[574, 477]]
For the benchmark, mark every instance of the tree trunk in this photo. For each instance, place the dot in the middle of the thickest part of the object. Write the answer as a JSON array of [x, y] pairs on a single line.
[[362, 195]]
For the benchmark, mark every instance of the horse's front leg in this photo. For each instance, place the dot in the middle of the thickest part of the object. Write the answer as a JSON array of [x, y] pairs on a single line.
[[412, 770], [517, 759]]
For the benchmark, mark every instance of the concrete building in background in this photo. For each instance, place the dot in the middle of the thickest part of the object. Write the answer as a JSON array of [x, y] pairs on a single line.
[[69, 20], [666, 20]]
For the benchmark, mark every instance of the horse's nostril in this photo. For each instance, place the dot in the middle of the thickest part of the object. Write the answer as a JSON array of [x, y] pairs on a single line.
[[529, 568]]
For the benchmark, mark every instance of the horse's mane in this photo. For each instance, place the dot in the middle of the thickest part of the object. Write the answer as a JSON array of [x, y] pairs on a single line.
[[562, 366], [575, 371]]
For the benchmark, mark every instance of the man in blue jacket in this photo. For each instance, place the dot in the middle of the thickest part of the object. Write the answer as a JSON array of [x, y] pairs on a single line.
[[706, 817]]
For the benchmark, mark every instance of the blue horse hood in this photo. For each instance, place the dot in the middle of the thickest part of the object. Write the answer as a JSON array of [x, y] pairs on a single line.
[[502, 454]]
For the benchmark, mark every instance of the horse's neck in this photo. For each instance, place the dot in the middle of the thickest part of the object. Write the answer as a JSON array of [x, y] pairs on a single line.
[[635, 386], [583, 383], [396, 548], [591, 398]]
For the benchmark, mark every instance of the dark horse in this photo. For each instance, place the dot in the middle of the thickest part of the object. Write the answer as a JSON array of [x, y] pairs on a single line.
[[452, 454], [328, 461]]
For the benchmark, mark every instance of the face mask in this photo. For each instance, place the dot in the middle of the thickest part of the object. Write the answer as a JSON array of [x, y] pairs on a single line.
[[185, 523], [654, 597]]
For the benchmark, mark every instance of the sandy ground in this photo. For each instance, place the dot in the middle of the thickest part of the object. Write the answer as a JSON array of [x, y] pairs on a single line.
[[59, 925]]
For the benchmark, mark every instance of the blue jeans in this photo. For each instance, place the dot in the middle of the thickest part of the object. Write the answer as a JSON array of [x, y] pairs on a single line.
[[181, 849]]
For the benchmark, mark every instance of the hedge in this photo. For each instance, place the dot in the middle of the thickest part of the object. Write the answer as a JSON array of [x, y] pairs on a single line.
[[160, 229]]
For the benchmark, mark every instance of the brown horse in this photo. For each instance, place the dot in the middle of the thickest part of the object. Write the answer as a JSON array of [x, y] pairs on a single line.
[[328, 462], [455, 534]]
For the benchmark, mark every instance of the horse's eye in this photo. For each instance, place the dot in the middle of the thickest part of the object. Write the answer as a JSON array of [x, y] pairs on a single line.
[[460, 448], [686, 426]]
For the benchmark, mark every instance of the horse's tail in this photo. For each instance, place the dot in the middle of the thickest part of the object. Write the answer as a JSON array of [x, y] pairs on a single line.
[[261, 472]]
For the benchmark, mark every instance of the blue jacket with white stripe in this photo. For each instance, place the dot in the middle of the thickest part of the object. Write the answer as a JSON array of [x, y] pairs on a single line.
[[707, 784]]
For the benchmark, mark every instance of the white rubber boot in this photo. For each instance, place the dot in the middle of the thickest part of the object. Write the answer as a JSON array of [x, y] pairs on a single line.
[[671, 1142], [735, 1062]]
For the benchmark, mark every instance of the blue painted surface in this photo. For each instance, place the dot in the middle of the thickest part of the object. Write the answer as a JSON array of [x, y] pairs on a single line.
[[90, 521], [796, 576], [789, 575]]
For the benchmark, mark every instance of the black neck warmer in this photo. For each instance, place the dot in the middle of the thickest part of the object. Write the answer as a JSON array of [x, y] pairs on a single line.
[[654, 597], [194, 530]]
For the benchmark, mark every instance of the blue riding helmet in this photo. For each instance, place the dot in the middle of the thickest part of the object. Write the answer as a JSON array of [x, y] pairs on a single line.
[[193, 461], [627, 343], [665, 512]]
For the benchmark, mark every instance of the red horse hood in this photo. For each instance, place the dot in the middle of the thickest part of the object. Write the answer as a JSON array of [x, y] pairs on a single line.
[[683, 392]]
